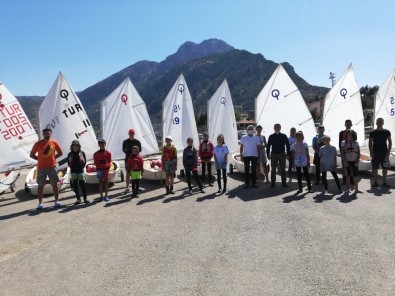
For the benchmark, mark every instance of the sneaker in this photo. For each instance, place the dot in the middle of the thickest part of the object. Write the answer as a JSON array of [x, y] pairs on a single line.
[[299, 191], [310, 190], [219, 190], [211, 185], [86, 201], [375, 184], [202, 191], [126, 191], [57, 204], [100, 199], [107, 199], [190, 191], [39, 207], [77, 202], [385, 185]]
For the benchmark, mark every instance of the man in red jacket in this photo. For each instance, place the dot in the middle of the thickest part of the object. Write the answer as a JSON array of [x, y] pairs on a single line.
[[206, 152]]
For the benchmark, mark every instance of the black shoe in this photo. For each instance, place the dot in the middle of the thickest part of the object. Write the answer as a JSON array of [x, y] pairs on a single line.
[[310, 190], [385, 185], [190, 191], [211, 185], [375, 184], [171, 190], [86, 201], [77, 202], [202, 191], [299, 191], [219, 190], [224, 190]]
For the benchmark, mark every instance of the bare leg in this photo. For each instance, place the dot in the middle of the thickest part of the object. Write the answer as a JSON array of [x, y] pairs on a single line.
[[40, 190], [56, 192], [385, 175]]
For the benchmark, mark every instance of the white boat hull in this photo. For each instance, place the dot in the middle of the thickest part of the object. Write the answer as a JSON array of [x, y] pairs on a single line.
[[113, 176], [364, 162], [392, 158], [32, 186], [7, 181]]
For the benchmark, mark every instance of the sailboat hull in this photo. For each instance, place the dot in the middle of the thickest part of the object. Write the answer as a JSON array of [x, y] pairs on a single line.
[[113, 176], [8, 181], [32, 186]]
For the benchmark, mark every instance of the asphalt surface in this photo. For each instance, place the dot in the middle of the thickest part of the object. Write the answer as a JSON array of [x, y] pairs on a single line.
[[265, 241]]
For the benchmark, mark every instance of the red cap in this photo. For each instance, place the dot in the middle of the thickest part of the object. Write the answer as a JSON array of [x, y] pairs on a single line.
[[131, 131]]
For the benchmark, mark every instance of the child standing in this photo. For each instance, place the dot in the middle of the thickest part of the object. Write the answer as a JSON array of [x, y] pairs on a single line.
[[206, 149], [301, 157], [221, 152], [76, 161], [102, 161], [350, 155], [327, 156], [189, 160], [169, 163], [291, 140], [135, 169]]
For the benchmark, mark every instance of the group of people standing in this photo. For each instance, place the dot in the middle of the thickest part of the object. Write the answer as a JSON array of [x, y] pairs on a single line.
[[255, 152]]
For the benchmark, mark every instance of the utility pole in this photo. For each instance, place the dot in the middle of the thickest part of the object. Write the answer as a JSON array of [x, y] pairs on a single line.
[[332, 76]]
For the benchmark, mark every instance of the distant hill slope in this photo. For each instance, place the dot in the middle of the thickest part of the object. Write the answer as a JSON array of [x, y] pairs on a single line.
[[205, 66]]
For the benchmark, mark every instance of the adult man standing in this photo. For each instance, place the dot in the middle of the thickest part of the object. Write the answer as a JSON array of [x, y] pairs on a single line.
[[278, 143], [127, 146], [380, 145], [47, 151], [249, 145], [342, 137]]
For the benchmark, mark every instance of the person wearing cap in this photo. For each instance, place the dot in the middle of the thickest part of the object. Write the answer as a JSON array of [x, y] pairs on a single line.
[[206, 153], [169, 163], [77, 160], [278, 151], [249, 150], [47, 150], [127, 147], [102, 161]]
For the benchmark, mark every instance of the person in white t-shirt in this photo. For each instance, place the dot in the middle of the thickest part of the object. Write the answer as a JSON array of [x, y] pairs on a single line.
[[249, 146]]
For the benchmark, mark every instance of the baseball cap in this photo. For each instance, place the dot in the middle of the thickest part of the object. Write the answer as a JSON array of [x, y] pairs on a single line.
[[169, 137], [101, 141], [131, 131], [75, 142]]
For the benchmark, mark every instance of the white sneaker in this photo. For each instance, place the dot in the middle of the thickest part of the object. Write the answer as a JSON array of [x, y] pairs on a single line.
[[126, 191]]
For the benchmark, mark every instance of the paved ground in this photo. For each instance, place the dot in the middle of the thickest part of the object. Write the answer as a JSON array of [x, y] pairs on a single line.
[[246, 242]]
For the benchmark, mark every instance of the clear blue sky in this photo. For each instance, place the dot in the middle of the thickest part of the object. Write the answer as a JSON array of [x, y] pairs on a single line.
[[89, 40]]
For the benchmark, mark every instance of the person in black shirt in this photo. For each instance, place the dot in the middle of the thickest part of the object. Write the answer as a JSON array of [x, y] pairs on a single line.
[[76, 160], [380, 145], [278, 143], [127, 146]]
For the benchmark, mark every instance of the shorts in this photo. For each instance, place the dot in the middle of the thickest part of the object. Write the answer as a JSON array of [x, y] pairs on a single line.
[[170, 166], [352, 167], [135, 175], [77, 176], [42, 176], [102, 175], [378, 160]]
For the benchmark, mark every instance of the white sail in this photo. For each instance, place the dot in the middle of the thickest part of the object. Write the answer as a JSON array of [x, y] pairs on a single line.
[[280, 101], [178, 116], [343, 102], [17, 133], [385, 102], [221, 117], [122, 110], [63, 112]]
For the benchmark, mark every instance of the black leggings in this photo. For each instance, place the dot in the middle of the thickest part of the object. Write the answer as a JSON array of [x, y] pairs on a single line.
[[208, 171], [195, 176], [81, 184], [306, 175], [219, 178], [325, 181]]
